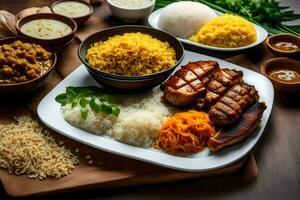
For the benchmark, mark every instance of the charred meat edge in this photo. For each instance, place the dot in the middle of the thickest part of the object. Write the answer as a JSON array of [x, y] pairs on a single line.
[[244, 128]]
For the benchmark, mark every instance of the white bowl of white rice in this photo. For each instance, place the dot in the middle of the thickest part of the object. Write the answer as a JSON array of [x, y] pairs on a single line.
[[131, 10]]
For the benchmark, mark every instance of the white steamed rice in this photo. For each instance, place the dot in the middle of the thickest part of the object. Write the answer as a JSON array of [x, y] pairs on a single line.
[[139, 122], [183, 19]]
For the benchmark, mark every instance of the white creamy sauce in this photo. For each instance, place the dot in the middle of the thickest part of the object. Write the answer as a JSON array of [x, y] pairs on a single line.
[[285, 75], [71, 9], [131, 3], [46, 29]]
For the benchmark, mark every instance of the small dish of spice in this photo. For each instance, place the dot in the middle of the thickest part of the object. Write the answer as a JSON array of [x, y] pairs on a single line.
[[284, 45], [284, 73]]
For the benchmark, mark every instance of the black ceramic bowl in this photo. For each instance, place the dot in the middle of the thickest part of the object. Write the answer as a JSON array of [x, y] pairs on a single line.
[[130, 82]]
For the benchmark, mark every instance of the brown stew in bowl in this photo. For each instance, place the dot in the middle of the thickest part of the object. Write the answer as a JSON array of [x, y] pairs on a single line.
[[20, 62]]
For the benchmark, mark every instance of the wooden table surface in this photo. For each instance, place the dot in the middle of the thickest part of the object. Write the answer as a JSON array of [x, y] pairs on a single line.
[[277, 152]]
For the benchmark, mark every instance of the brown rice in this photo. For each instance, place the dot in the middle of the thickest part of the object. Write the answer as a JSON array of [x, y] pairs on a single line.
[[25, 148]]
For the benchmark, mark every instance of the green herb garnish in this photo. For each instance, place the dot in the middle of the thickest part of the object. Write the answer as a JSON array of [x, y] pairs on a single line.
[[266, 13], [99, 100]]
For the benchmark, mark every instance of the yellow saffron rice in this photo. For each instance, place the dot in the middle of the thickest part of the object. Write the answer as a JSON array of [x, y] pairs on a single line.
[[226, 31], [131, 54]]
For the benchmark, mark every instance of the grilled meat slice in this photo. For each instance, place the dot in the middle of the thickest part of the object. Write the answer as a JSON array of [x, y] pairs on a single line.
[[221, 82], [244, 128], [189, 82], [228, 110]]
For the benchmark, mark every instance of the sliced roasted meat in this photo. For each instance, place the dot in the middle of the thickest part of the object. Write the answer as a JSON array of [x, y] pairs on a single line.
[[229, 108], [189, 82], [245, 127], [221, 82]]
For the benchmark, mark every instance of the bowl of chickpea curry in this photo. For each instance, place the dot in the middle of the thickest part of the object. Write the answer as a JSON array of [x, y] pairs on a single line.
[[24, 64]]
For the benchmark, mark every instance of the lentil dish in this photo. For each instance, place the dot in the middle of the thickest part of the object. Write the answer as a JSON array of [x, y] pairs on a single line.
[[20, 62], [131, 54]]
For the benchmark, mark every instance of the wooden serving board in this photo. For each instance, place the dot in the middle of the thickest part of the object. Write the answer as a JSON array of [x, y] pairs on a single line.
[[113, 171], [107, 170]]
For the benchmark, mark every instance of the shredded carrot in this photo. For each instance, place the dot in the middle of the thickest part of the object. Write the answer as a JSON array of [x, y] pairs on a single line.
[[186, 132]]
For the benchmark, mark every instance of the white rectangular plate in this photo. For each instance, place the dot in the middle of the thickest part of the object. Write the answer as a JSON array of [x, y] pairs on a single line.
[[50, 113], [262, 34]]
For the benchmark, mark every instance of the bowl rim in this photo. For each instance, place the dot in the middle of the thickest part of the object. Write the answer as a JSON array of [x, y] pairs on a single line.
[[267, 63], [282, 51], [60, 1], [132, 9], [46, 16], [117, 76], [15, 38]]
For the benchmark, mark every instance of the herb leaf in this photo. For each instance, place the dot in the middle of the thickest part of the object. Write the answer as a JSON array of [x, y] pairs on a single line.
[[96, 105], [71, 91], [74, 102], [83, 102], [99, 100], [107, 108], [115, 111], [62, 99], [83, 113]]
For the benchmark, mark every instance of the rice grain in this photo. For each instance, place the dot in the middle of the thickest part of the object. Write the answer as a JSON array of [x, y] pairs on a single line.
[[131, 54], [25, 148]]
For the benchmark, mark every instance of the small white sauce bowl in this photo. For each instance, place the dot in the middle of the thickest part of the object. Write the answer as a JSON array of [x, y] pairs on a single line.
[[131, 14]]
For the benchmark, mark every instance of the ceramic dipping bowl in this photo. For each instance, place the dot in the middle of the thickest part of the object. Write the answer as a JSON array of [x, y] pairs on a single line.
[[284, 65]]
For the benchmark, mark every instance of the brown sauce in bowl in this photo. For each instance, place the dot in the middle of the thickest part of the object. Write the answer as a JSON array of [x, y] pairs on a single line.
[[285, 46], [285, 75]]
